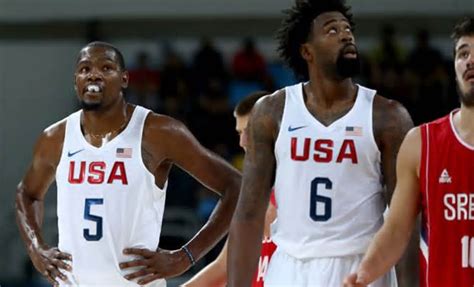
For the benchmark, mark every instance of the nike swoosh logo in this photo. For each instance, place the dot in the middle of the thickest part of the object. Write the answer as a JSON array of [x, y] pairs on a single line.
[[69, 154], [290, 129]]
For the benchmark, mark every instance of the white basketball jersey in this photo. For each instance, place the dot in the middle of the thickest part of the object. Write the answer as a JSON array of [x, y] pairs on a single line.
[[328, 181], [107, 201]]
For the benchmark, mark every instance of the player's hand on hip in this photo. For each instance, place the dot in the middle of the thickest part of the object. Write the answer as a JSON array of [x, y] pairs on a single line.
[[354, 280], [49, 260], [155, 264]]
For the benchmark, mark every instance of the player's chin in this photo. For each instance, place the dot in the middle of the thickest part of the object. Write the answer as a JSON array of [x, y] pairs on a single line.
[[91, 105]]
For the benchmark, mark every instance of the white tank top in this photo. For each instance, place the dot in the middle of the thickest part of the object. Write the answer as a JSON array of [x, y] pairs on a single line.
[[107, 201], [328, 183]]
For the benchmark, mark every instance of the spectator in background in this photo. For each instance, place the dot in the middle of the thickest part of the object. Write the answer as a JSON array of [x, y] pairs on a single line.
[[248, 63], [212, 120], [175, 85], [428, 79], [388, 66], [389, 53], [144, 82], [208, 64]]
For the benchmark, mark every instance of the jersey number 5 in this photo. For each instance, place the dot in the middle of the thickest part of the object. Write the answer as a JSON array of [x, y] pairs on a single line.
[[97, 219], [320, 201]]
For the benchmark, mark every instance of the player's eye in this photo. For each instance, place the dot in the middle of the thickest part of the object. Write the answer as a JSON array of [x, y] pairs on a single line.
[[84, 69], [332, 30], [463, 54]]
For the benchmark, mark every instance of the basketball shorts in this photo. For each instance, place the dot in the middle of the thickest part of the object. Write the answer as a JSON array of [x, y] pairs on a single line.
[[285, 271]]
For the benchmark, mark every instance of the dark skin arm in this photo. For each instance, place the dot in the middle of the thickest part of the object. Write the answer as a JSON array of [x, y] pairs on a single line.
[[391, 123], [30, 202], [259, 168], [167, 142]]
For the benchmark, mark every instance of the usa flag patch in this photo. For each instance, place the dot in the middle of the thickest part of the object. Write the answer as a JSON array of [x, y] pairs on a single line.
[[353, 131], [124, 152]]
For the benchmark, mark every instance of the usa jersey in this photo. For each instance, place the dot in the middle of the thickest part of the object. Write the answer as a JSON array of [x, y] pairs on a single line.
[[328, 181], [107, 201], [447, 189]]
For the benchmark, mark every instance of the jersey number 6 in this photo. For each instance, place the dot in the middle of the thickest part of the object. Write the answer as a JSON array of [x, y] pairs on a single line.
[[319, 200]]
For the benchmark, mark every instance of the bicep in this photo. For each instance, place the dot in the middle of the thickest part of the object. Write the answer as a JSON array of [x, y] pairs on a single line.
[[394, 129], [41, 171], [208, 168], [259, 165]]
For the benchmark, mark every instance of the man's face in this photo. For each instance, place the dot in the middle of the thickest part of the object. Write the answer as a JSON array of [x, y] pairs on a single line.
[[99, 80], [241, 128], [331, 45], [464, 66]]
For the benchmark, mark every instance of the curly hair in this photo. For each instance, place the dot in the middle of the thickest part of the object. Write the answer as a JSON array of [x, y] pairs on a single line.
[[465, 27], [296, 27]]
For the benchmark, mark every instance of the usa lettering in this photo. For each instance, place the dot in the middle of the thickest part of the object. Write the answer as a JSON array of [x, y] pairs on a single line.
[[323, 150], [96, 172]]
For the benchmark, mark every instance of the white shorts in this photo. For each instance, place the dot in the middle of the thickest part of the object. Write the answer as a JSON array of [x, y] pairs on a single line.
[[113, 282], [285, 270]]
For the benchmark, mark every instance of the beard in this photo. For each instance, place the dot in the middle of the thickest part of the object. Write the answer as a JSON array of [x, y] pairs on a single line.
[[466, 98], [90, 106], [347, 67]]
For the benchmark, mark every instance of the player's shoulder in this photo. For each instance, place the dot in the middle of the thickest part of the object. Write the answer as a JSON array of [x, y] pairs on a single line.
[[390, 113], [270, 107], [410, 150], [54, 134], [444, 121], [389, 106], [413, 137], [162, 128], [49, 145], [161, 123]]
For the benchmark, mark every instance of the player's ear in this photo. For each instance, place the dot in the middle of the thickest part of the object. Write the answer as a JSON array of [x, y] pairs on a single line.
[[125, 79], [305, 52], [75, 83]]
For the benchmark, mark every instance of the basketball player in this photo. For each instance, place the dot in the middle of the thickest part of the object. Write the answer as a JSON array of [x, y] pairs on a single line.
[[215, 274], [434, 171], [328, 146], [111, 161]]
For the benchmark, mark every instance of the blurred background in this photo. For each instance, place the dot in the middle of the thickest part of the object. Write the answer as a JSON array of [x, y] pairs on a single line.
[[193, 60]]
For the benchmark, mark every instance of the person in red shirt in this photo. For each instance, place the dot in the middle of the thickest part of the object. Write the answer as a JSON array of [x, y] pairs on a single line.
[[248, 64], [215, 273], [434, 171]]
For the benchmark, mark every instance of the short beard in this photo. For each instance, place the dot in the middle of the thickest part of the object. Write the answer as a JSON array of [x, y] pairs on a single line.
[[467, 98], [90, 106], [347, 68]]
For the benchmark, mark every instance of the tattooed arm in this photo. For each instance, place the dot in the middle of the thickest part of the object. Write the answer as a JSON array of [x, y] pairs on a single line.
[[391, 124], [259, 170]]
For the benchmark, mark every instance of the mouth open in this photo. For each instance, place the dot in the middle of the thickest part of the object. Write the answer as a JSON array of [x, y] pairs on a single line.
[[93, 89], [349, 51], [469, 75]]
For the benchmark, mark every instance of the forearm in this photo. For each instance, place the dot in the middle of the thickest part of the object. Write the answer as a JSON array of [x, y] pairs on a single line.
[[384, 252], [29, 216], [408, 266], [245, 239], [217, 225], [213, 275]]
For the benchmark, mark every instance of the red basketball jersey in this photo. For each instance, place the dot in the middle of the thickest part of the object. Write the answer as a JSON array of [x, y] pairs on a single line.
[[268, 247], [447, 186]]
